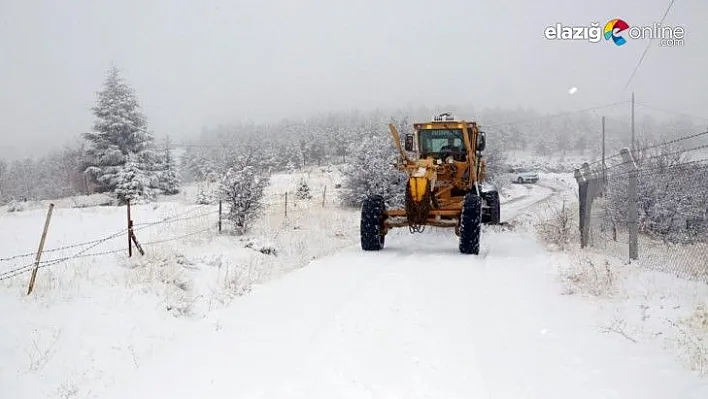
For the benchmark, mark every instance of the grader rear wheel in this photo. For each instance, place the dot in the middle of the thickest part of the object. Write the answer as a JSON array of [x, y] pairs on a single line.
[[493, 214]]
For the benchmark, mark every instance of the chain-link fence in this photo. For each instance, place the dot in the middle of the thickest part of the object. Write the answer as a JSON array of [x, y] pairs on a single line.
[[649, 208]]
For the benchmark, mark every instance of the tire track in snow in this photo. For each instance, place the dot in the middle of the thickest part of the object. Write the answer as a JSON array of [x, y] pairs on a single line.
[[396, 339], [540, 193]]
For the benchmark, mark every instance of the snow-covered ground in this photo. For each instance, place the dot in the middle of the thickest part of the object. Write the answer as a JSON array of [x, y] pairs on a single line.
[[92, 318], [645, 306], [211, 315], [415, 320], [553, 163]]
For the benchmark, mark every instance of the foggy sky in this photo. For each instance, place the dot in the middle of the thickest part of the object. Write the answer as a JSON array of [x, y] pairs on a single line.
[[202, 63]]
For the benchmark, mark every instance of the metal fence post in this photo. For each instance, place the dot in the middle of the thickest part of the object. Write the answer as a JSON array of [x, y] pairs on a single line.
[[632, 211]]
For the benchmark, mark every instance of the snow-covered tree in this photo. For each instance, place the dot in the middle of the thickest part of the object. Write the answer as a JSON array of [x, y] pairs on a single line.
[[303, 190], [242, 187], [370, 170], [132, 183], [119, 132], [204, 197], [170, 179], [3, 178]]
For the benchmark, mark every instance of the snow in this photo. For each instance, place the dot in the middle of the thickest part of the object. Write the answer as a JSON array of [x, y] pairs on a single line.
[[296, 309], [413, 321], [91, 319]]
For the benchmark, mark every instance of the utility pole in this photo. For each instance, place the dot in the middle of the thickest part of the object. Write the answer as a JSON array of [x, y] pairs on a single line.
[[604, 166], [634, 148]]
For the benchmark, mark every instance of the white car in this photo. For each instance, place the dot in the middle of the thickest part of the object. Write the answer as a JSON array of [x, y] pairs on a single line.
[[523, 175]]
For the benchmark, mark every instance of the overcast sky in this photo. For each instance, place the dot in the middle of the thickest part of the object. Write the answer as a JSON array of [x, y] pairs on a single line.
[[201, 63]]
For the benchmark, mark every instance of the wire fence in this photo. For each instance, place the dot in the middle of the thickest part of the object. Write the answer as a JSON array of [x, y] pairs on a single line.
[[650, 206], [202, 218]]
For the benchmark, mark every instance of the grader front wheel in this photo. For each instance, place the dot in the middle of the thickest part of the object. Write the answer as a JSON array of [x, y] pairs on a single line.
[[371, 228], [470, 224]]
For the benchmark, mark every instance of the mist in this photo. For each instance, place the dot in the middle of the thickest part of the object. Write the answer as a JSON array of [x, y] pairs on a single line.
[[196, 65]]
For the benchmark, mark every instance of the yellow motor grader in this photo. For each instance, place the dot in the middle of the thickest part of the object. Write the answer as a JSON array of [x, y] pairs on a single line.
[[445, 188]]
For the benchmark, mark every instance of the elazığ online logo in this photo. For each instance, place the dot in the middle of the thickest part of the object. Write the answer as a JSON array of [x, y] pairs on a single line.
[[614, 30], [618, 25]]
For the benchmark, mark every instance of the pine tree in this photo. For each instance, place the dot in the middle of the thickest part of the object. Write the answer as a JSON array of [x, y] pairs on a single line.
[[170, 179], [132, 183], [204, 197], [303, 190], [119, 133]]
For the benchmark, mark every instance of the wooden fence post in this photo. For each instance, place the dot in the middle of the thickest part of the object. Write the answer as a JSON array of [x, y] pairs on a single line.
[[41, 248], [219, 216], [130, 233], [286, 204], [324, 195]]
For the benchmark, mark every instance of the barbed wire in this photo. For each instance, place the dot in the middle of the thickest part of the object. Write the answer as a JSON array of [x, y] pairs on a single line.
[[661, 169], [172, 218], [54, 262], [298, 205], [71, 246], [96, 242]]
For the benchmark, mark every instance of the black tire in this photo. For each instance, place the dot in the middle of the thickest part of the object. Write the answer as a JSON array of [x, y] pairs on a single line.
[[493, 213], [371, 228], [471, 224], [520, 180]]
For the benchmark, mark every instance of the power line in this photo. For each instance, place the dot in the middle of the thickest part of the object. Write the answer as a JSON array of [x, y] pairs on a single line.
[[692, 136], [641, 59], [554, 115], [682, 151], [670, 111]]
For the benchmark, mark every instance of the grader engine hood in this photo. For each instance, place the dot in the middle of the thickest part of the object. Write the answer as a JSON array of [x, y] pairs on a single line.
[[421, 183], [422, 180]]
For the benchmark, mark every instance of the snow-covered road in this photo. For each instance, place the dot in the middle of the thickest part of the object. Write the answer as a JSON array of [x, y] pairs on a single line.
[[415, 320]]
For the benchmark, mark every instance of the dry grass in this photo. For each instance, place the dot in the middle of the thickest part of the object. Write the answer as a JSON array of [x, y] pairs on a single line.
[[557, 226], [586, 276], [692, 338]]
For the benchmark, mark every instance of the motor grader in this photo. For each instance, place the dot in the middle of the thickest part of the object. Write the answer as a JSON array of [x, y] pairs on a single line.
[[445, 188]]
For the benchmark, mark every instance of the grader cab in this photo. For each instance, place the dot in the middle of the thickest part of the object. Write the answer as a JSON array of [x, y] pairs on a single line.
[[446, 171]]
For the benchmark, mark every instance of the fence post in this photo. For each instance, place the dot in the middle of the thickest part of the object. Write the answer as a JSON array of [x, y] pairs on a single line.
[[582, 208], [286, 204], [324, 195], [219, 216], [130, 233], [39, 251], [632, 211]]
